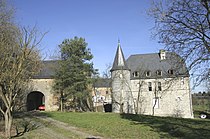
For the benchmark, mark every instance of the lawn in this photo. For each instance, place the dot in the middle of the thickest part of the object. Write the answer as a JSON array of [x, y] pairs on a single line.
[[112, 125]]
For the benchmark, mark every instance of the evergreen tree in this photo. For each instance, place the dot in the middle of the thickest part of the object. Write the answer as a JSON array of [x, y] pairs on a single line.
[[72, 77]]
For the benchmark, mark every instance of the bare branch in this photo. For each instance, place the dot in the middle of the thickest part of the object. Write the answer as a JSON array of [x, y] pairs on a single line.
[[184, 27]]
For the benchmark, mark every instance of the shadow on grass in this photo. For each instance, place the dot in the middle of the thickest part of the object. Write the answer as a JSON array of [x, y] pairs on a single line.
[[29, 114], [169, 127], [23, 122]]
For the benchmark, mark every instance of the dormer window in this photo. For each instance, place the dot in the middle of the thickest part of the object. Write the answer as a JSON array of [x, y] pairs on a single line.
[[136, 74], [148, 73], [159, 73], [170, 72]]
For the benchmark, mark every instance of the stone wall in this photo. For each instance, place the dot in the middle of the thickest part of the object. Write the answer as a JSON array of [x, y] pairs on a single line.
[[122, 100], [174, 99], [45, 86]]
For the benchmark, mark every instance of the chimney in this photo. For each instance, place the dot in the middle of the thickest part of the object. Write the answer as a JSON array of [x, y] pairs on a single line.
[[162, 54]]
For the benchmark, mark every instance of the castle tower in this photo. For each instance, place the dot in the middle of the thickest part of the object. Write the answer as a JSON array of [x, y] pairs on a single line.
[[121, 93]]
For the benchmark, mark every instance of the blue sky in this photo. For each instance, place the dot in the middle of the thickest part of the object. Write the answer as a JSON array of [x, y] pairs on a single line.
[[101, 23]]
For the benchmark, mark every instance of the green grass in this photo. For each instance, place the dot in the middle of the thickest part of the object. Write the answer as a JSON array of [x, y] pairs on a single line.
[[135, 126], [105, 124], [112, 125], [199, 108]]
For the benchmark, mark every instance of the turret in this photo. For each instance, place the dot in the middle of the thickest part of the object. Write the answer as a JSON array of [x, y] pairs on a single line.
[[119, 61], [121, 95]]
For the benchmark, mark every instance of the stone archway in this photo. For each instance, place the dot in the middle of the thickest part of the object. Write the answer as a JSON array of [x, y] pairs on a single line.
[[34, 100]]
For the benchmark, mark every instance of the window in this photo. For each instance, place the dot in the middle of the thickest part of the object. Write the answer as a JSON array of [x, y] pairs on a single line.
[[156, 102], [98, 93], [182, 80], [178, 99], [159, 73], [121, 75], [159, 86], [150, 86], [148, 73], [135, 74], [170, 72]]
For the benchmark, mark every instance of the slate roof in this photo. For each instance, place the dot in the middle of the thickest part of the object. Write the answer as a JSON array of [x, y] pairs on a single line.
[[48, 69], [119, 60], [102, 82], [152, 62]]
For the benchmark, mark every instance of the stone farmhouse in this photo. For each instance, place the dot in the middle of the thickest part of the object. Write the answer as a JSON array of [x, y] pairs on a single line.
[[41, 91], [151, 84], [101, 92]]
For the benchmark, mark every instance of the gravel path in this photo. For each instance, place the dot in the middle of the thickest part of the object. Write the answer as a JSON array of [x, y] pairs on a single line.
[[55, 135]]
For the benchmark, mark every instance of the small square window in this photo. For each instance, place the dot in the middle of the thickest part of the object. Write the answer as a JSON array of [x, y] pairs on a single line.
[[121, 76], [182, 80], [150, 86]]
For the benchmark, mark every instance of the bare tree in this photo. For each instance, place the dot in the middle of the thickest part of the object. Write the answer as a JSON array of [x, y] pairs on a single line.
[[19, 61], [127, 93], [157, 85], [119, 91], [184, 27], [107, 73], [162, 87], [207, 85]]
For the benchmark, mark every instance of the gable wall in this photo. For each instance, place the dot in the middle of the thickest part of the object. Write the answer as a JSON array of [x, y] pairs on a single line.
[[45, 86], [174, 99]]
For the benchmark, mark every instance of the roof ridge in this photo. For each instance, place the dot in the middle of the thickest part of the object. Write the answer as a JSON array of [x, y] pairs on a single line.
[[152, 53], [144, 54]]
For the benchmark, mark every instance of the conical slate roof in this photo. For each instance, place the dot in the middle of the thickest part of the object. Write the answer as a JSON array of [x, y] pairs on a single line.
[[119, 61]]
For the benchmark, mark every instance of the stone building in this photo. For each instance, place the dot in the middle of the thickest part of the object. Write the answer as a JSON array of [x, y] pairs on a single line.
[[151, 84], [41, 92], [101, 92]]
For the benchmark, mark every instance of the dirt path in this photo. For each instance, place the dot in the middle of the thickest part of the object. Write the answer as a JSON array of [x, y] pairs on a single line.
[[66, 128], [52, 134], [43, 129], [48, 128]]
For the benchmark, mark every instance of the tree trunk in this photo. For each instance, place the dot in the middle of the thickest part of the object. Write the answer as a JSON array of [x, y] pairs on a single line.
[[121, 107], [153, 107], [138, 97], [8, 123], [61, 104]]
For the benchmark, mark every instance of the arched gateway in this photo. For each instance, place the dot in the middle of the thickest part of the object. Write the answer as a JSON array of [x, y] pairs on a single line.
[[35, 99]]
